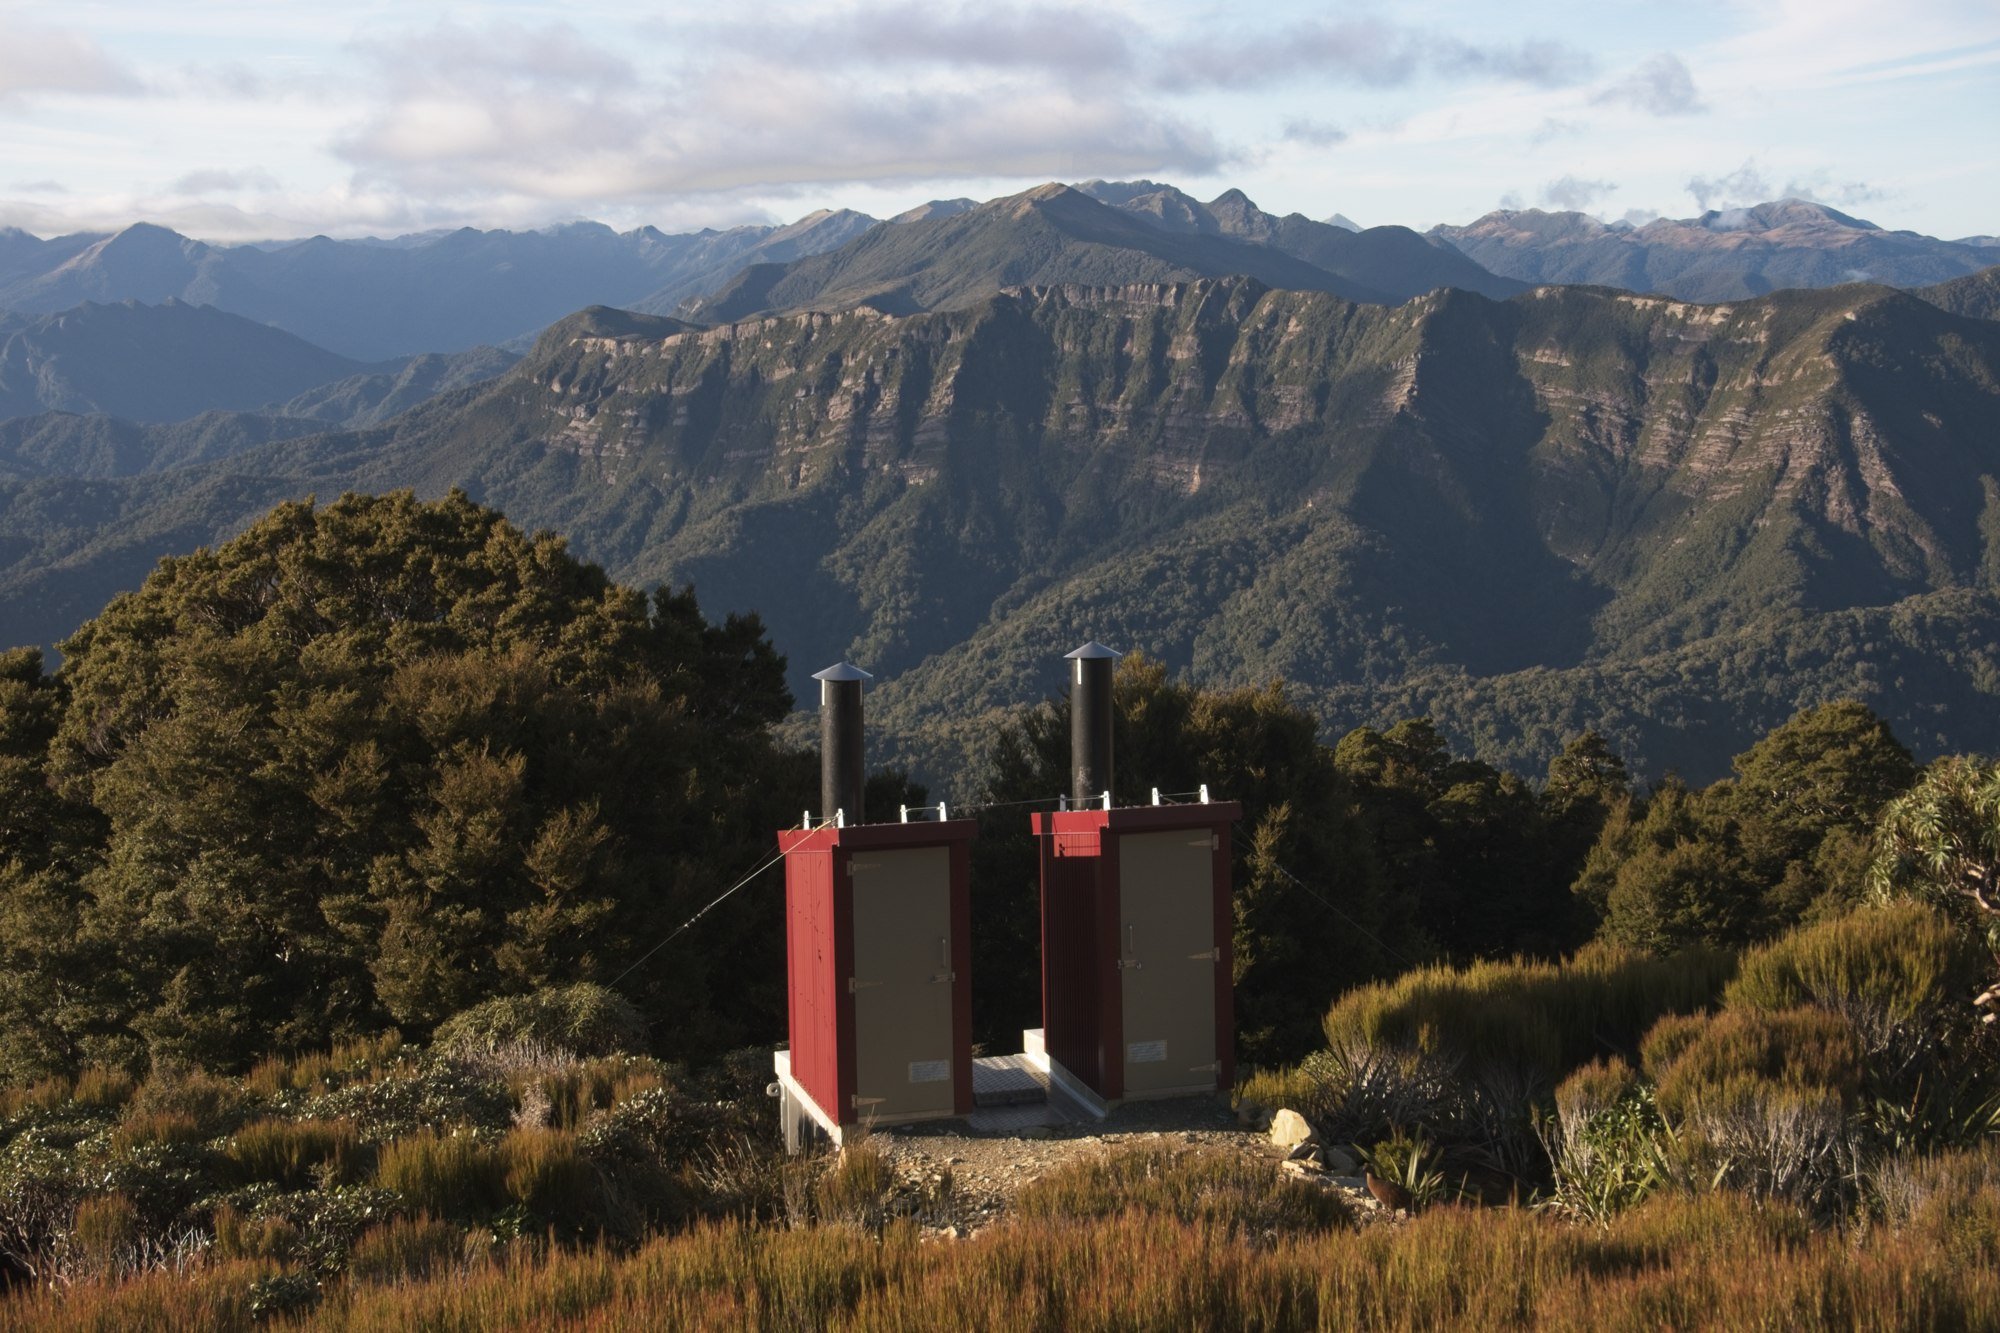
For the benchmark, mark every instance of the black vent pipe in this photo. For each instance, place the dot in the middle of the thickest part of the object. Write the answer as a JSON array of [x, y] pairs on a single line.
[[841, 768], [1090, 723]]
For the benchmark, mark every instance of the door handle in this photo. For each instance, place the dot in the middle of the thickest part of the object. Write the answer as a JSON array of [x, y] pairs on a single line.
[[1131, 958]]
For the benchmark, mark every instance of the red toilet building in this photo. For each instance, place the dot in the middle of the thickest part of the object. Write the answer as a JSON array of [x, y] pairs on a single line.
[[878, 950], [1137, 999]]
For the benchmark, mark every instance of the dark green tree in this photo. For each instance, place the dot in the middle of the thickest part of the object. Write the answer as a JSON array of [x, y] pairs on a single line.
[[1806, 798], [372, 762], [1672, 873], [1464, 846], [1311, 917]]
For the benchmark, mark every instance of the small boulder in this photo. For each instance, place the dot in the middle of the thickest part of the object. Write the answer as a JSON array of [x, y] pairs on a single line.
[[1304, 1152], [1289, 1129], [1340, 1161]]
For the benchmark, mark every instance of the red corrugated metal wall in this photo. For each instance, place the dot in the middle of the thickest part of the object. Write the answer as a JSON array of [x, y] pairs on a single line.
[[1072, 943], [813, 947]]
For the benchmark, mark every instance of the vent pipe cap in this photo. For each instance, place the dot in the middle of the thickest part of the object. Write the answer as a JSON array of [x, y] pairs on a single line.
[[1091, 652], [848, 671]]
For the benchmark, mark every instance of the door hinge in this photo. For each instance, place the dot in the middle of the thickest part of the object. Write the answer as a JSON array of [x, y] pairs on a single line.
[[939, 978], [1214, 1067], [1209, 956], [858, 1101], [853, 985]]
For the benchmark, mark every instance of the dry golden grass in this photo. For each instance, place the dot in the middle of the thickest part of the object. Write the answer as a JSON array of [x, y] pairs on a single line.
[[1717, 1261]]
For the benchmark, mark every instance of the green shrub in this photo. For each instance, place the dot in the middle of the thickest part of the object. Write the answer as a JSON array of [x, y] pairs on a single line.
[[294, 1154], [1760, 1100], [1608, 1148], [583, 1018], [1411, 1164], [416, 1096], [1892, 969], [1703, 1059], [665, 1124], [1494, 1013], [1542, 1019], [452, 1175], [1466, 1054]]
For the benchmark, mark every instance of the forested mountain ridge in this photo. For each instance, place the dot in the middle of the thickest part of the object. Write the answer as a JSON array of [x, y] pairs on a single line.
[[1576, 508], [1393, 260], [117, 369], [1049, 235], [157, 363], [1975, 294]]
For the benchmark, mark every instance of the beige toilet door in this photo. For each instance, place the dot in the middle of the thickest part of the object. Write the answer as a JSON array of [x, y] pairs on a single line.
[[902, 983], [1167, 960]]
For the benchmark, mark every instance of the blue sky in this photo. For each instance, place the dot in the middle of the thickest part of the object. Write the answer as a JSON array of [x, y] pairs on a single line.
[[234, 119]]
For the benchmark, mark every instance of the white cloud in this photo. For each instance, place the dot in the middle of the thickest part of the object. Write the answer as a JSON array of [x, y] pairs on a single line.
[[37, 60], [544, 112], [1749, 185], [215, 181], [1365, 52], [1313, 133], [1574, 193], [1661, 86]]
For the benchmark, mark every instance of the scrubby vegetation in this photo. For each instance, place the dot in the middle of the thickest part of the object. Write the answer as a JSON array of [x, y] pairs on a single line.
[[336, 866], [1148, 1241]]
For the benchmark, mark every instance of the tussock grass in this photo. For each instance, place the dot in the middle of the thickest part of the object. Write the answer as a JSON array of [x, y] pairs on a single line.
[[164, 1128], [1225, 1190], [1714, 1262], [296, 1154], [452, 1174], [544, 1172], [322, 1071], [415, 1248]]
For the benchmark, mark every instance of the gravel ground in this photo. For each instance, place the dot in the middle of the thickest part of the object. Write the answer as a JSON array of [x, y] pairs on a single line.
[[987, 1171]]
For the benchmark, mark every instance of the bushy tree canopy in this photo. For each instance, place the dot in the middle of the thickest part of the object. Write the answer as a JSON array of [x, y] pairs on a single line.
[[371, 763]]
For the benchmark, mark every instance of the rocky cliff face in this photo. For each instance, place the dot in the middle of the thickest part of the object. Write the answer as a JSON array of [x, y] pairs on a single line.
[[1257, 483], [1576, 508]]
